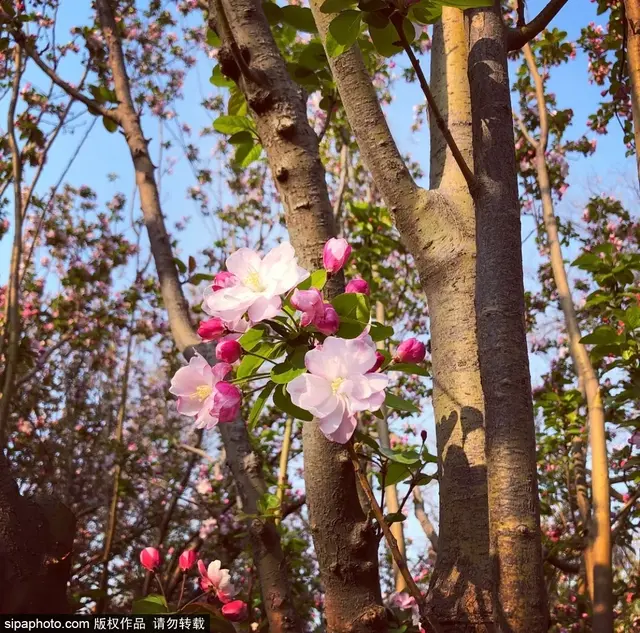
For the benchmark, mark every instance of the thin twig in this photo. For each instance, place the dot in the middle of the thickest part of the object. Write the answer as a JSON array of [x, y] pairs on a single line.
[[437, 115], [282, 471], [399, 560], [518, 37]]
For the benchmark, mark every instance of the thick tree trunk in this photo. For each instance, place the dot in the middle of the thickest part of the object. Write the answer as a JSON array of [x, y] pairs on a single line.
[[596, 520], [438, 228], [268, 555], [344, 539], [36, 542], [514, 518], [632, 27]]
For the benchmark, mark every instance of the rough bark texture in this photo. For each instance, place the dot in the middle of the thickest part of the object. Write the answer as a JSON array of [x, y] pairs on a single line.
[[344, 539], [632, 26], [36, 540], [438, 228], [514, 516], [596, 520], [269, 558]]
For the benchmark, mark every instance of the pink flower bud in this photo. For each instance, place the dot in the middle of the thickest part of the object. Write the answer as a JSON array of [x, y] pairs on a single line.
[[306, 300], [228, 351], [224, 280], [423, 435], [335, 254], [226, 402], [150, 558], [187, 559], [410, 351], [378, 363], [212, 329], [235, 611], [358, 286], [329, 322]]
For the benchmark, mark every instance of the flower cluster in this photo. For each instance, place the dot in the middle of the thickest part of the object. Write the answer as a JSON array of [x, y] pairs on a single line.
[[214, 581], [263, 308]]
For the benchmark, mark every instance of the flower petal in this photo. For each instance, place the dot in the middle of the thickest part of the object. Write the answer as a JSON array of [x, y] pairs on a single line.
[[243, 262], [263, 308], [345, 431], [313, 394], [331, 423]]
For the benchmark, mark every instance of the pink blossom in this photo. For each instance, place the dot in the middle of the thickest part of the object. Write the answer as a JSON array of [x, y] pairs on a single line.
[[339, 385], [224, 280], [329, 322], [187, 559], [150, 558], [214, 578], [335, 254], [212, 329], [310, 303], [235, 611], [228, 351], [261, 281], [410, 351], [379, 360], [202, 393], [358, 286]]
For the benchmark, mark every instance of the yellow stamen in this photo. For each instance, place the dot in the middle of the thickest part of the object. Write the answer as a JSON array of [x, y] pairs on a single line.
[[203, 392], [253, 282], [335, 385]]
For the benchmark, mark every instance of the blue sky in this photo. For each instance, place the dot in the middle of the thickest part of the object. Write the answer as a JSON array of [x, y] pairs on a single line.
[[104, 153]]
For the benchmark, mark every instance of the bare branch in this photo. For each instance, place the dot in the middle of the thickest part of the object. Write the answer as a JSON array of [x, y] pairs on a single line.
[[423, 518], [518, 37]]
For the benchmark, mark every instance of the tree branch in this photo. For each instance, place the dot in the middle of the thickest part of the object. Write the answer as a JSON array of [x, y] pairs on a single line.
[[519, 36], [435, 111], [423, 518]]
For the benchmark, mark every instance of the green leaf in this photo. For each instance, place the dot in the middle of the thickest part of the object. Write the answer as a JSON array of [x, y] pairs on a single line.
[[396, 517], [247, 154], [268, 503], [350, 328], [249, 365], [282, 400], [409, 368], [379, 332], [363, 438], [426, 14], [408, 457], [232, 124], [400, 404], [212, 39], [353, 305], [252, 337], [258, 405], [422, 479], [299, 18], [109, 124], [237, 105], [152, 603], [335, 6], [180, 265], [241, 138], [218, 79], [396, 472], [345, 28], [632, 317], [313, 56], [334, 49], [602, 335], [198, 278], [588, 261], [284, 373], [465, 4], [317, 279], [273, 13]]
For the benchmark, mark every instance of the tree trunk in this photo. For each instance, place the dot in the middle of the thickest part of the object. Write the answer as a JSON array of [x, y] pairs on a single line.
[[596, 519], [514, 515], [438, 228], [268, 555], [344, 538], [632, 27]]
